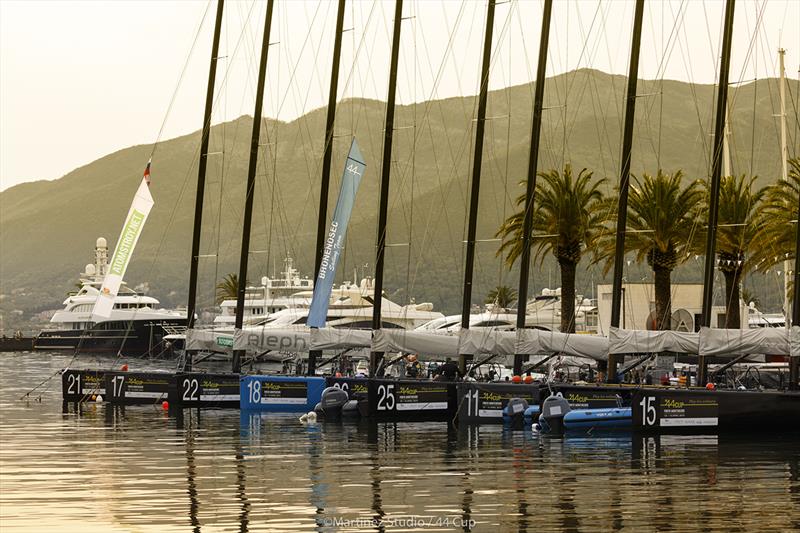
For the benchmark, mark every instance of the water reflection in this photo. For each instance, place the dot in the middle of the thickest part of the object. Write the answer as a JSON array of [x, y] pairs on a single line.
[[104, 468]]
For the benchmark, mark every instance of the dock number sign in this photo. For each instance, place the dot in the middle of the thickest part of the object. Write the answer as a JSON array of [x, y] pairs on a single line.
[[657, 409]]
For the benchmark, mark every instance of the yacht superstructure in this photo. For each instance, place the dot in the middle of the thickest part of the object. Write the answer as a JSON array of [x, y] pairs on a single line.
[[542, 312], [274, 294], [351, 307]]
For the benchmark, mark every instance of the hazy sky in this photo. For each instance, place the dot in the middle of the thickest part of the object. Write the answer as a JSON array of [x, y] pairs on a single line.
[[79, 80]]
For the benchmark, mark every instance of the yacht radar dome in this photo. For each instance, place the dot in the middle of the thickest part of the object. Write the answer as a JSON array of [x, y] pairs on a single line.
[[101, 243]]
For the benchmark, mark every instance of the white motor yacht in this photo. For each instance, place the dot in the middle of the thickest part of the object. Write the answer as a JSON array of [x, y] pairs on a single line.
[[136, 326], [542, 312], [351, 307], [274, 294]]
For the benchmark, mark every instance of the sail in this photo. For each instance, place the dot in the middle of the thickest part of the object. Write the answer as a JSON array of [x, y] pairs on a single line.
[[131, 230], [624, 341], [334, 243]]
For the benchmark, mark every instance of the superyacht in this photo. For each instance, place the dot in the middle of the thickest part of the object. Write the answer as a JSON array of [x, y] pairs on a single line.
[[136, 327]]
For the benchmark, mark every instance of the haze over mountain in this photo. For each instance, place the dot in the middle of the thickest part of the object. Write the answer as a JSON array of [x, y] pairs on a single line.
[[48, 228]]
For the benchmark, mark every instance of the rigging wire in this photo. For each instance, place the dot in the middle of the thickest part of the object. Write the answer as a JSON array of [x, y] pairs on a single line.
[[180, 78]]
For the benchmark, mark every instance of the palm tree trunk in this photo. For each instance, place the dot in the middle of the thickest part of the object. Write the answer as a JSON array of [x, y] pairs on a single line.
[[732, 318], [663, 298], [567, 296]]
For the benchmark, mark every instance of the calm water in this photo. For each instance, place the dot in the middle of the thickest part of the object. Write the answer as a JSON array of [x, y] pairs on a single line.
[[138, 469]]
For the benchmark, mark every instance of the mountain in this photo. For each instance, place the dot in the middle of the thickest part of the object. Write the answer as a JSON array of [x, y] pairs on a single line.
[[48, 228]]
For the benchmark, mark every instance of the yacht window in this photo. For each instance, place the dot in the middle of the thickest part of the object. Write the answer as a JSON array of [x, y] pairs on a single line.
[[301, 320], [489, 323], [448, 325], [362, 324], [366, 324]]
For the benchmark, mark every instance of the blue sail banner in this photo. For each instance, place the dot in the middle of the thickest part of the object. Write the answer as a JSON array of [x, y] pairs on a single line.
[[334, 242]]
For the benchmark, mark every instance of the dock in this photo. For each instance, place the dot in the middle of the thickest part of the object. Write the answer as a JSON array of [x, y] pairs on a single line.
[[654, 409]]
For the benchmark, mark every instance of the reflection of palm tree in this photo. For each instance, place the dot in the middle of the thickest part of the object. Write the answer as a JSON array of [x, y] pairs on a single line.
[[567, 216], [501, 296], [227, 288], [661, 230], [738, 209]]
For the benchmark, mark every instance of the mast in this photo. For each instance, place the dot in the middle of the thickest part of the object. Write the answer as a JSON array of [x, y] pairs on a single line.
[[326, 160], [251, 185], [385, 175], [476, 178], [624, 181], [201, 176], [533, 168], [716, 169], [794, 362], [787, 264], [726, 148]]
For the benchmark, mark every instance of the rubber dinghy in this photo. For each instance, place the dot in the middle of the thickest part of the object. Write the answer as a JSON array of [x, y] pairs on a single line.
[[606, 418]]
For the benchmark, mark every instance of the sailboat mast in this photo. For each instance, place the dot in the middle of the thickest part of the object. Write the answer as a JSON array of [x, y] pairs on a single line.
[[251, 184], [624, 181], [329, 122], [787, 264], [476, 178], [386, 171], [794, 362], [726, 148], [716, 170], [201, 169], [322, 217], [533, 168]]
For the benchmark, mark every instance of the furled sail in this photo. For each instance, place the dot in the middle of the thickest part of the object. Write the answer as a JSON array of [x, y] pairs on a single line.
[[334, 243], [131, 230]]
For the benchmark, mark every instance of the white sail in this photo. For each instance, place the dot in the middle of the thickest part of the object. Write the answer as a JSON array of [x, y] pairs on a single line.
[[134, 222]]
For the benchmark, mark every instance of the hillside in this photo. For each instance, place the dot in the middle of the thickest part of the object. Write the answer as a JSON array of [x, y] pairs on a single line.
[[48, 228]]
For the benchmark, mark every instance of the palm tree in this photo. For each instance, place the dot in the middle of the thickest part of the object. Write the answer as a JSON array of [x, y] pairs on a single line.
[[737, 226], [661, 230], [502, 296], [227, 288], [777, 235], [749, 296], [567, 216]]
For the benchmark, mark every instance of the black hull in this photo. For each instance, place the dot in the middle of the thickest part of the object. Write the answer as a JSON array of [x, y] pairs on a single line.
[[10, 344], [130, 338]]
